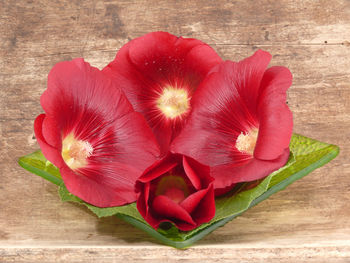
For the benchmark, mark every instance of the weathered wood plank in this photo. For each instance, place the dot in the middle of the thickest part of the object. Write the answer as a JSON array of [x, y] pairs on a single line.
[[65, 27], [200, 254]]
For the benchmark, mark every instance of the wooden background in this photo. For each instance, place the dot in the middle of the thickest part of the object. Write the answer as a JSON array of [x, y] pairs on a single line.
[[308, 222]]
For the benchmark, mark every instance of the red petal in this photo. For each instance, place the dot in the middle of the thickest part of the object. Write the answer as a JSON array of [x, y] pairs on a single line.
[[222, 191], [219, 116], [191, 202], [198, 173], [100, 188], [276, 120], [51, 132], [147, 64], [226, 175], [142, 205], [133, 83], [163, 131], [167, 208], [184, 226], [134, 143], [142, 191], [158, 168], [202, 58], [51, 153], [249, 73], [75, 88], [205, 211], [191, 174], [175, 56]]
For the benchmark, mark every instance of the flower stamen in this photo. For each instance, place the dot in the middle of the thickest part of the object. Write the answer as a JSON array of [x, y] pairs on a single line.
[[173, 102], [246, 142], [75, 152]]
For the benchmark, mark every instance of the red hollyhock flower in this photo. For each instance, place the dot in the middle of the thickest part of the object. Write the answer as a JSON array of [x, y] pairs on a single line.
[[240, 125], [92, 134], [176, 189], [159, 73]]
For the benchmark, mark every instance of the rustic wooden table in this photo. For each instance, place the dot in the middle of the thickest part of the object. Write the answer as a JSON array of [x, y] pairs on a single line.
[[307, 222]]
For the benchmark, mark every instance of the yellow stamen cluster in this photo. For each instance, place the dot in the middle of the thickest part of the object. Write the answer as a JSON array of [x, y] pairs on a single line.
[[246, 142], [75, 152], [173, 102]]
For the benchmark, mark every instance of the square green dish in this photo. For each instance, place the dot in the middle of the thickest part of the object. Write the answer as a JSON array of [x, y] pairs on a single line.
[[306, 155]]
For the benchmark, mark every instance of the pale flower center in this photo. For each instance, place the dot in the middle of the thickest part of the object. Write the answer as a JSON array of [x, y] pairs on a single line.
[[75, 152], [173, 102], [246, 142], [174, 187]]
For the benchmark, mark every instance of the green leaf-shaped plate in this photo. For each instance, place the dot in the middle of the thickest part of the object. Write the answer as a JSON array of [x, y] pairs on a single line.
[[306, 155]]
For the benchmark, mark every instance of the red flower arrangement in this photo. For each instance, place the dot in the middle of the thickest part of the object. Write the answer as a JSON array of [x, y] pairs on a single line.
[[168, 125]]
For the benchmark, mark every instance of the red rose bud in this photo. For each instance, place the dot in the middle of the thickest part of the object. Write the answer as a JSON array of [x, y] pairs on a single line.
[[176, 189], [240, 125], [92, 134], [159, 74]]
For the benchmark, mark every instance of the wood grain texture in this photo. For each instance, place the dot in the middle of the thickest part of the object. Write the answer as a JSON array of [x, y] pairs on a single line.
[[307, 222]]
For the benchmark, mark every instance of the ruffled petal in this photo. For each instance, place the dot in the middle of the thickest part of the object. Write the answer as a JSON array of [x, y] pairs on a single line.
[[164, 132], [167, 208], [198, 173], [205, 210], [106, 187], [133, 142], [248, 75], [130, 80], [170, 60], [158, 168], [227, 175], [191, 174], [50, 152], [192, 201], [218, 118], [222, 191], [142, 192], [201, 59], [76, 90], [51, 132], [276, 119]]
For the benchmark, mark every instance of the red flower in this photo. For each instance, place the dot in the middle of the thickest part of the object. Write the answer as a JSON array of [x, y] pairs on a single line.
[[159, 73], [176, 189], [240, 125], [92, 134]]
